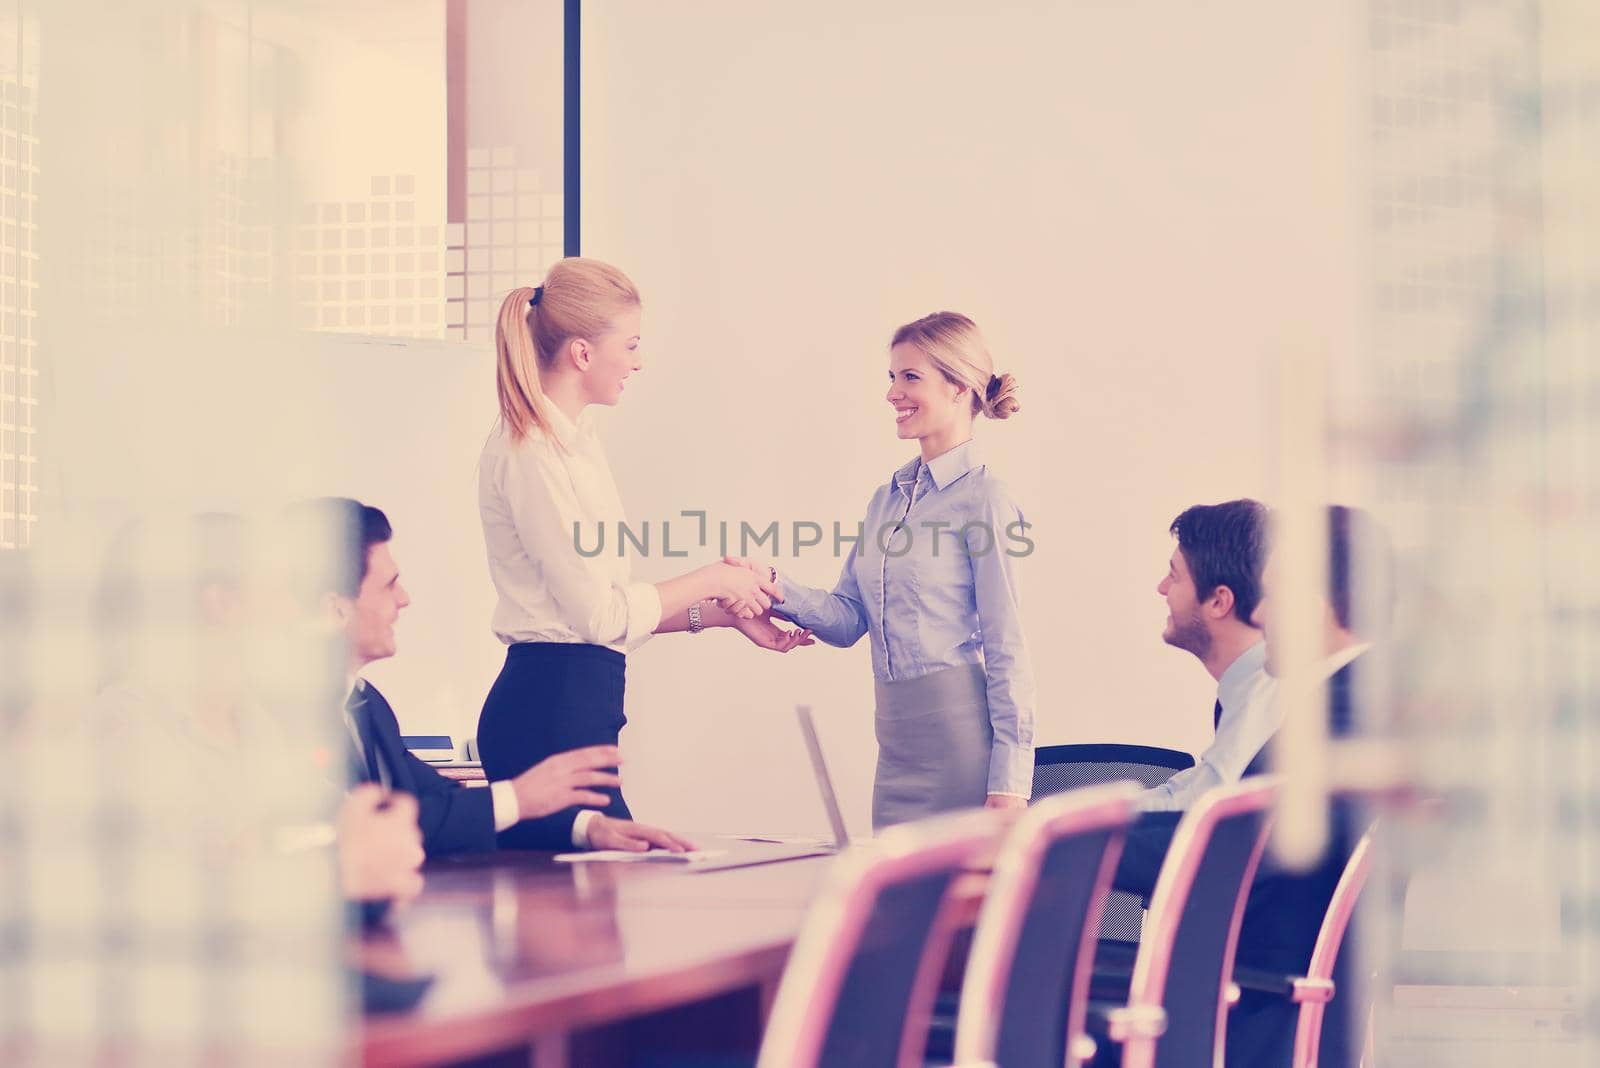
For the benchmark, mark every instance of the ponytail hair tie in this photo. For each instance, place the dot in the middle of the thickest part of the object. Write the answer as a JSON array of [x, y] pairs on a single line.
[[994, 387], [538, 292]]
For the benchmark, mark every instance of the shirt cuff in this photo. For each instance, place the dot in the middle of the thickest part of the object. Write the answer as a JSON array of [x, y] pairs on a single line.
[[1011, 771], [580, 827], [506, 810], [796, 603], [644, 613]]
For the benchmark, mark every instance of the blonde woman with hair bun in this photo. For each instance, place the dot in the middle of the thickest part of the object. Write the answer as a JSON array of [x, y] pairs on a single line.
[[932, 583], [569, 619]]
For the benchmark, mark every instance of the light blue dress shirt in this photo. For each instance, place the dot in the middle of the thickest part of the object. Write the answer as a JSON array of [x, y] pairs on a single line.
[[1250, 717], [932, 581]]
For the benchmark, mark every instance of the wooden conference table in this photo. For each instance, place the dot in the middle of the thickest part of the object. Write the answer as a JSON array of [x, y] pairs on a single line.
[[589, 964]]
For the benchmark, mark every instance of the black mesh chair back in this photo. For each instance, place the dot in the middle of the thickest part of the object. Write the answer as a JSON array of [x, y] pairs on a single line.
[[871, 1013], [859, 987], [1182, 982], [1027, 980], [1058, 768], [1202, 953]]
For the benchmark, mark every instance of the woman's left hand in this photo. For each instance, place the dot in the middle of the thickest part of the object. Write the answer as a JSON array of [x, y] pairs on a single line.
[[1005, 801]]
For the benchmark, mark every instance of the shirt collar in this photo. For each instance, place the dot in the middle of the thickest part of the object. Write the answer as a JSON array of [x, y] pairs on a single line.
[[1241, 675], [906, 476], [1336, 662], [944, 469], [952, 465], [564, 430]]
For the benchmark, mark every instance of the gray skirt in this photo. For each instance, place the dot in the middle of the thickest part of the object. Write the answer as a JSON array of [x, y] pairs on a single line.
[[934, 740]]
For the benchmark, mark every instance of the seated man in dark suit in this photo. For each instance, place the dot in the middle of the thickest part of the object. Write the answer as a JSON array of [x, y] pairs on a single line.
[[1285, 908], [360, 591]]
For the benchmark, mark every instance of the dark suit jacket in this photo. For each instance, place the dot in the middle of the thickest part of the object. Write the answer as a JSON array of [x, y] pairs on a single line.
[[453, 818], [1281, 918]]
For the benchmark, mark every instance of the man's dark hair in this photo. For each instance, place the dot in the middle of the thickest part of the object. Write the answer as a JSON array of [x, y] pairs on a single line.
[[334, 535], [1225, 545], [1360, 572]]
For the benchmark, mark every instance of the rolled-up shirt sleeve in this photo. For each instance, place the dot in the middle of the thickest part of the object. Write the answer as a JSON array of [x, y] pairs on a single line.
[[1007, 666], [1178, 792], [838, 618], [544, 511]]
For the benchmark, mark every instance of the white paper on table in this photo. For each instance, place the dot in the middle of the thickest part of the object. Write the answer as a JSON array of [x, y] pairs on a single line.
[[628, 856]]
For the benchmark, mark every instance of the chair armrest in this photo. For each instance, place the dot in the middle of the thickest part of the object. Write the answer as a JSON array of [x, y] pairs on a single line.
[[1120, 1023], [1296, 988], [1315, 991], [1110, 986]]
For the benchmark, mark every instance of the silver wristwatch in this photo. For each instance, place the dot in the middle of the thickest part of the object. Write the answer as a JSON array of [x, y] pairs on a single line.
[[695, 626]]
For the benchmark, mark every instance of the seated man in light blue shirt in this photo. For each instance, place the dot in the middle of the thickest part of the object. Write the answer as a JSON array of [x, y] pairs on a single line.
[[1212, 586]]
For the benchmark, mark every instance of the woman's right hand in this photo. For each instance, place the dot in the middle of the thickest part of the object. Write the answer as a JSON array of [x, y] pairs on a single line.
[[741, 591]]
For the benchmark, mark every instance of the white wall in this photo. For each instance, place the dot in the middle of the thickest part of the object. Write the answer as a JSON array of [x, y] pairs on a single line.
[[1140, 202]]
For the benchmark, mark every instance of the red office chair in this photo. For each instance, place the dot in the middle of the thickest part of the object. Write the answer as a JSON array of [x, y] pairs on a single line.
[[859, 986], [1026, 987], [1181, 987], [1315, 989]]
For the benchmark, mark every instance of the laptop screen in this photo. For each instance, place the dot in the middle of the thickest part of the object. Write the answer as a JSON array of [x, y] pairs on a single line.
[[830, 801]]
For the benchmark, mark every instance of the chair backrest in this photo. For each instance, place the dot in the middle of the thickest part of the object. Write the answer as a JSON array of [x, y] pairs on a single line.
[[1057, 768], [1185, 961], [1027, 979], [1318, 980], [859, 986]]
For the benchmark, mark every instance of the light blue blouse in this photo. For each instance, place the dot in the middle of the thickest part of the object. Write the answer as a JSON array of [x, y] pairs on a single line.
[[931, 579]]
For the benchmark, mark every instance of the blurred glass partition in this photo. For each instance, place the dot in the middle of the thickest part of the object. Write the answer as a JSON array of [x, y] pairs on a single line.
[[186, 188], [1469, 420], [19, 199]]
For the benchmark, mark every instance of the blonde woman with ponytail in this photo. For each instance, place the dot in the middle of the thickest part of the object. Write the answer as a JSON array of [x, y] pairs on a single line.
[[932, 581], [544, 486]]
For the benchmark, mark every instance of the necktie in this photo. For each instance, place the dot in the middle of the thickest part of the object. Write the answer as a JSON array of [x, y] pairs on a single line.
[[362, 716], [1216, 715]]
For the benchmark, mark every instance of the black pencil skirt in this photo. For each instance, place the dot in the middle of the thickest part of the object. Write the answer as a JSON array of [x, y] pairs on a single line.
[[551, 697]]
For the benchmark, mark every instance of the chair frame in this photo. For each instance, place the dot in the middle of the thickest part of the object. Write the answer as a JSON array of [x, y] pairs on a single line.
[[1315, 989], [1007, 903], [831, 933], [1140, 1023]]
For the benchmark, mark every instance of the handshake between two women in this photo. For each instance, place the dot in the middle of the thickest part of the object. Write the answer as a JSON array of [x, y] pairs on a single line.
[[745, 592]]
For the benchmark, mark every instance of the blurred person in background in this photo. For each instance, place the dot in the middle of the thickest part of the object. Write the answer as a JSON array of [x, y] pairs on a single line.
[[16, 620], [379, 850]]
